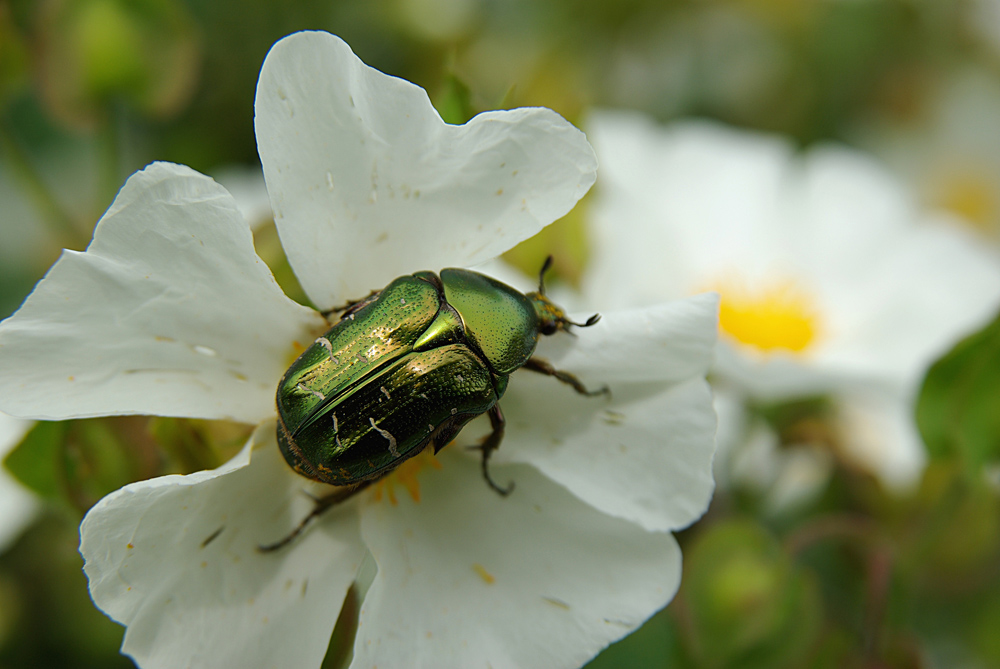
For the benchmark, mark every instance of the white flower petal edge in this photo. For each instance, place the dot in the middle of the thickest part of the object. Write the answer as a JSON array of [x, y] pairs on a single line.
[[645, 453], [168, 312], [246, 185], [175, 559], [882, 436], [537, 579], [18, 505], [359, 166]]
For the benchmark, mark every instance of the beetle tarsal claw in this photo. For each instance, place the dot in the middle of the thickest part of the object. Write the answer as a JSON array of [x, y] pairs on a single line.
[[487, 450]]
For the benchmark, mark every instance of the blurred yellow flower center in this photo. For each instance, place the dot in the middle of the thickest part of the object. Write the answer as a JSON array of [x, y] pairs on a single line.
[[405, 476], [969, 194], [778, 317]]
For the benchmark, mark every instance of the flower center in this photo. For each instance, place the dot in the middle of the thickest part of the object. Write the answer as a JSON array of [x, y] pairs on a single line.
[[969, 194], [778, 316], [405, 476]]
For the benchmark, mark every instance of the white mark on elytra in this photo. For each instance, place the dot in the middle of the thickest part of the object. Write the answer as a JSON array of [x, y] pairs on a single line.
[[329, 181], [336, 426], [402, 301], [454, 411], [459, 378], [351, 316], [304, 389], [385, 392], [204, 350], [336, 439], [430, 427], [362, 357], [423, 395], [325, 343], [385, 433]]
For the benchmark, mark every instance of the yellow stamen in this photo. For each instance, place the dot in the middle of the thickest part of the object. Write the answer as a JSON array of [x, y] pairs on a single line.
[[779, 317], [406, 476]]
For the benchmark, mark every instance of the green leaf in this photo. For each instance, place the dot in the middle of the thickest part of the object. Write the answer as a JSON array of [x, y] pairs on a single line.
[[35, 461], [454, 102], [958, 410]]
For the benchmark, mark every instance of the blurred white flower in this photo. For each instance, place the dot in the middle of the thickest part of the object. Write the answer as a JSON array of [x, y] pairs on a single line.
[[833, 281], [170, 312], [948, 149], [18, 505], [246, 185]]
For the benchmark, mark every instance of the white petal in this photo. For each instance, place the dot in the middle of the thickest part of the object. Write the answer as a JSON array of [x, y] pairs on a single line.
[[931, 287], [666, 343], [881, 436], [368, 183], [679, 206], [175, 559], [168, 312], [18, 505], [246, 184], [645, 454], [537, 579]]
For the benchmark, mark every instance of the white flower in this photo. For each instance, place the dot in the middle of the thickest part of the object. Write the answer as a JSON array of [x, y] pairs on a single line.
[[170, 312], [832, 280], [17, 505], [949, 150]]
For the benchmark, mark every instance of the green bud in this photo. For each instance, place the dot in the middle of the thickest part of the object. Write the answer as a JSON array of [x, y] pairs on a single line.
[[749, 605]]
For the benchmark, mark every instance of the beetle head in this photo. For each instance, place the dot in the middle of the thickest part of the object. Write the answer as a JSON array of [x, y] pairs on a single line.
[[551, 318]]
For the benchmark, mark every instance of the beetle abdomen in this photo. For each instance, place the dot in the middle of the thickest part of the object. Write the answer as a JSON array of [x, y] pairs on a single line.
[[391, 416]]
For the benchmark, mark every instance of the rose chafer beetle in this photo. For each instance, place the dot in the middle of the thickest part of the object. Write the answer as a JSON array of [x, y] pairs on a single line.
[[408, 367]]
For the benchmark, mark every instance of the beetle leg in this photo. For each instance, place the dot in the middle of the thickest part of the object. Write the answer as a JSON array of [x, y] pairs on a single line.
[[322, 504], [352, 306], [544, 367], [490, 444]]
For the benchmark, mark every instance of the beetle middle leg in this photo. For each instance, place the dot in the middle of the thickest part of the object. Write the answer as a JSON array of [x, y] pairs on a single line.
[[545, 367], [490, 444], [321, 505]]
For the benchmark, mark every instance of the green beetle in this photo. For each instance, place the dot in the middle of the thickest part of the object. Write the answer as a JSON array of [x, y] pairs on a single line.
[[407, 367]]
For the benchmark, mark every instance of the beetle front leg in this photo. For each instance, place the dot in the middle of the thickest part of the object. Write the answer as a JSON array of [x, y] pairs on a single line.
[[322, 504], [544, 367], [490, 444]]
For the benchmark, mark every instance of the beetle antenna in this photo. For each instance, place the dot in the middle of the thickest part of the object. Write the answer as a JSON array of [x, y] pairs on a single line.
[[541, 275], [590, 321]]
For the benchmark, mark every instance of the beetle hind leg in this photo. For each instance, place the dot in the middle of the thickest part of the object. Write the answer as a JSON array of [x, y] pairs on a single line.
[[545, 367], [352, 306], [321, 505], [490, 444]]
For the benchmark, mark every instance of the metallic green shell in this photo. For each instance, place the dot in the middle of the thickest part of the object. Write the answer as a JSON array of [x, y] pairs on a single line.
[[500, 320], [400, 370], [362, 342], [392, 416]]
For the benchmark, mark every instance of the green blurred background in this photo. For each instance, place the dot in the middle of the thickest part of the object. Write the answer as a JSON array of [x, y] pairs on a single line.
[[92, 90]]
